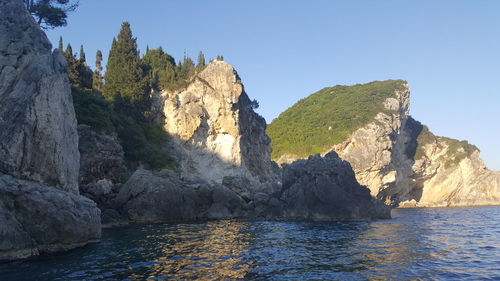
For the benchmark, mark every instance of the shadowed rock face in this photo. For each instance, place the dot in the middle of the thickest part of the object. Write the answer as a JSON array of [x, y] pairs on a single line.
[[101, 158], [38, 140], [325, 188], [40, 209]]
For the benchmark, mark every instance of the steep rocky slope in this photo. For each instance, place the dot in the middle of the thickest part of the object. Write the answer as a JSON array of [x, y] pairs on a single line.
[[40, 209], [395, 156]]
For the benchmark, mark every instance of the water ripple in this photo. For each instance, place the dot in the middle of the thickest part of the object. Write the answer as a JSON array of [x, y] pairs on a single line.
[[418, 244]]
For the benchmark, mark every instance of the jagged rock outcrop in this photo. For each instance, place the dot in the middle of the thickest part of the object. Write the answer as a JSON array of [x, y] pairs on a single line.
[[403, 163], [38, 139], [215, 131], [318, 189], [40, 209], [325, 188]]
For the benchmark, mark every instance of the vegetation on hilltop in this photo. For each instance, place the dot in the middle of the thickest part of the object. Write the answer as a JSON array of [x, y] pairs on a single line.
[[328, 117]]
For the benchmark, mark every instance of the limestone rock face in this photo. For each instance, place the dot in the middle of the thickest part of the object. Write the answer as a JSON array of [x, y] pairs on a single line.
[[40, 209], [447, 175], [378, 151], [36, 219], [38, 139], [215, 130]]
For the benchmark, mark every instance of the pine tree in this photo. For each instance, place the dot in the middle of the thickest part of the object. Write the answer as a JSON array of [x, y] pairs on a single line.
[[201, 59], [82, 54], [97, 76], [124, 76], [60, 43]]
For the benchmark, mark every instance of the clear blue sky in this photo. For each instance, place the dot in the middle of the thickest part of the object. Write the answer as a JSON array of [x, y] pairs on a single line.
[[448, 51]]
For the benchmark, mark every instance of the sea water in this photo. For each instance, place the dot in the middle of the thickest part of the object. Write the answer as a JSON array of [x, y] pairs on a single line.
[[425, 244]]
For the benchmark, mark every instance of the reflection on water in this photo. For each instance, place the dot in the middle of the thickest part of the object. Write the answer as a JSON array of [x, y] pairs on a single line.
[[216, 250], [454, 243]]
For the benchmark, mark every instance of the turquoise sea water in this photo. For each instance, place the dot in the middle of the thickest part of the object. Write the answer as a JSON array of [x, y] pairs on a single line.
[[417, 244]]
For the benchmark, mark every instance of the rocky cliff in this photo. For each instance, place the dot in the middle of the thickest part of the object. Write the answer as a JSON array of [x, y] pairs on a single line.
[[447, 172], [225, 170], [38, 140], [40, 209], [215, 131], [402, 162]]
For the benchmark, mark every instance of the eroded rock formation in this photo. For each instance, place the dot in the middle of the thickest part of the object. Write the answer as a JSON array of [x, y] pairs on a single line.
[[215, 131]]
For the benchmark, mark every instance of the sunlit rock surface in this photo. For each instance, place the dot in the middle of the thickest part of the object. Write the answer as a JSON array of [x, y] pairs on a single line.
[[215, 131]]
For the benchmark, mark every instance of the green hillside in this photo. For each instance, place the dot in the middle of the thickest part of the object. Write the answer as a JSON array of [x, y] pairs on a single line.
[[328, 117]]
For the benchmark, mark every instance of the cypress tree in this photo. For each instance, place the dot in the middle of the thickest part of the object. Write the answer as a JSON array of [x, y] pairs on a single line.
[[201, 59], [82, 54], [97, 76], [60, 43], [69, 51], [72, 65], [124, 76]]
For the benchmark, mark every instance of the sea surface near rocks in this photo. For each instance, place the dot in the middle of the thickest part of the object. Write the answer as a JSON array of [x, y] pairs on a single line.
[[438, 244]]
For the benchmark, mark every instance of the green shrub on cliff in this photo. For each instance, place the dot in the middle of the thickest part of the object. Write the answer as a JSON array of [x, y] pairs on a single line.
[[328, 117]]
